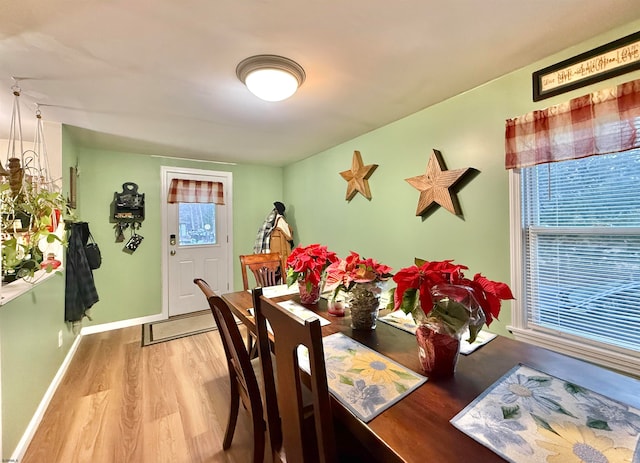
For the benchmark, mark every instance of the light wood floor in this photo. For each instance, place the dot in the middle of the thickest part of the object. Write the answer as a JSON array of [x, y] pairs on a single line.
[[120, 402]]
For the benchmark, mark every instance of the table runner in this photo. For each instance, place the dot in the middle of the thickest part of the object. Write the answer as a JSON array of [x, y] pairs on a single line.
[[365, 381], [405, 322], [528, 416]]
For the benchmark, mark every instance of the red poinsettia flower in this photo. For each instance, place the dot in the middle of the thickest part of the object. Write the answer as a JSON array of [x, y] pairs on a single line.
[[415, 285], [308, 263]]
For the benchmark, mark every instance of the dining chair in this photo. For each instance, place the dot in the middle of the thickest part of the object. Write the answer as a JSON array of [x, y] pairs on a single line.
[[266, 268], [286, 412], [267, 271], [242, 374]]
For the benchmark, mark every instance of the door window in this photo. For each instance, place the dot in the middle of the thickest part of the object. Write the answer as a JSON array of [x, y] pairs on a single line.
[[197, 224]]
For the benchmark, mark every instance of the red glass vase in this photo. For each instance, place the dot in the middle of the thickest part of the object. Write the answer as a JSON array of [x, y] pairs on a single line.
[[309, 292], [438, 351]]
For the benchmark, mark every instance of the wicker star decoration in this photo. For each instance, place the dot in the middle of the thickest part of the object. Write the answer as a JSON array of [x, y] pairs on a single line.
[[357, 177], [436, 184]]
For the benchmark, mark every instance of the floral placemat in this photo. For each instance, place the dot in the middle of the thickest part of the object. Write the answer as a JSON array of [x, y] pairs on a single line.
[[405, 322], [278, 290], [528, 416], [365, 381], [296, 309], [302, 312]]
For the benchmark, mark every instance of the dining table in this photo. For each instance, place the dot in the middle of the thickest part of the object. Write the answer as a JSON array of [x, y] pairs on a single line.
[[417, 428]]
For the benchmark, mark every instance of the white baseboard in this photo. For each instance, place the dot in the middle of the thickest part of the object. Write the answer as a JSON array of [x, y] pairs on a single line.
[[121, 324], [21, 448]]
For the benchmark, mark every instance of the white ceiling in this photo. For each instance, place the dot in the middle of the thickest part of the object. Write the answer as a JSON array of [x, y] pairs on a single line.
[[158, 76]]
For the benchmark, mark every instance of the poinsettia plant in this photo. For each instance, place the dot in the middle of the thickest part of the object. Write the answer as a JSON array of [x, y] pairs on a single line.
[[439, 289], [307, 263], [345, 273]]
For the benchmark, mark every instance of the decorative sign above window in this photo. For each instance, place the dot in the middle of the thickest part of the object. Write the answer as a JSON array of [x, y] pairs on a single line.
[[613, 59]]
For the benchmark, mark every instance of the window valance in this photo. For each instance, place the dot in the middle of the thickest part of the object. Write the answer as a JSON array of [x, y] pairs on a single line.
[[602, 122], [195, 191]]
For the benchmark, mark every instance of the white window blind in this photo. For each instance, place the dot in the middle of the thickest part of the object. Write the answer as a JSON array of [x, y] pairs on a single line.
[[581, 236]]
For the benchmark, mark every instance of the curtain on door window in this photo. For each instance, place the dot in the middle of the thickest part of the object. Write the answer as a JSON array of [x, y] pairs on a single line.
[[195, 191]]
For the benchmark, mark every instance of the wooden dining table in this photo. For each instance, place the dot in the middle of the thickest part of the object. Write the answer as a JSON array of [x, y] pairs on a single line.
[[417, 428]]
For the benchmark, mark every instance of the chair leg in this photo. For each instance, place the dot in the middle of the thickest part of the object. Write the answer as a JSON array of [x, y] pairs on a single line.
[[252, 347], [258, 439], [234, 406]]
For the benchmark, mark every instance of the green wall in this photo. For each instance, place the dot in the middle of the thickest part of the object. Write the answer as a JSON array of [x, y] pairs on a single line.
[[469, 131], [29, 327], [130, 285]]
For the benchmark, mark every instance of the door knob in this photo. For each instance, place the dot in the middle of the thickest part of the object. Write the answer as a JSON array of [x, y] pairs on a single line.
[[173, 252]]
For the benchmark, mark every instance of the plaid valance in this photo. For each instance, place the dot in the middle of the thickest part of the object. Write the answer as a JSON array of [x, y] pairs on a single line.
[[602, 122], [195, 191]]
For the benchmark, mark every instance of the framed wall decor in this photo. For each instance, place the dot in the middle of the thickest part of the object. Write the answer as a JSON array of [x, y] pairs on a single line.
[[613, 59]]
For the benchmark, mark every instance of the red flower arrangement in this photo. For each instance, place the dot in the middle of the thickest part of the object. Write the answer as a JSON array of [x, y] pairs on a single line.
[[308, 263], [345, 273], [416, 286]]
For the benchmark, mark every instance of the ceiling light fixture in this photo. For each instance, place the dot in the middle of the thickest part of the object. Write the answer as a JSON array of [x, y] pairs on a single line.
[[271, 77]]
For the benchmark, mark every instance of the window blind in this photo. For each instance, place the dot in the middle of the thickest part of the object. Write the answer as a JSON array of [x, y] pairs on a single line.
[[581, 231]]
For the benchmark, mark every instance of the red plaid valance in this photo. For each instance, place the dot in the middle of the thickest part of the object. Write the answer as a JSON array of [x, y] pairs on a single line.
[[195, 191], [602, 122]]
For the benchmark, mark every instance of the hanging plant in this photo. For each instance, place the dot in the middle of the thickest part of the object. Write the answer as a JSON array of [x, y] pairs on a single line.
[[30, 208]]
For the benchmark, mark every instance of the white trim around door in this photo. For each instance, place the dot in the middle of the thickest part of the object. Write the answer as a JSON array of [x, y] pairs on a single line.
[[167, 172]]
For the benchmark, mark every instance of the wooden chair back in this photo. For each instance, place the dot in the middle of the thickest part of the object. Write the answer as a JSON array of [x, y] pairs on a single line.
[[285, 410], [266, 268], [243, 381]]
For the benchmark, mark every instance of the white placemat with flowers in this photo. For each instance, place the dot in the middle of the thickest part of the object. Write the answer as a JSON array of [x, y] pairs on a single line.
[[365, 381], [278, 290], [528, 416]]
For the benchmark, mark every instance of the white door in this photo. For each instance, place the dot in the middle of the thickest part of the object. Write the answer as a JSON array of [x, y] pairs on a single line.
[[197, 244]]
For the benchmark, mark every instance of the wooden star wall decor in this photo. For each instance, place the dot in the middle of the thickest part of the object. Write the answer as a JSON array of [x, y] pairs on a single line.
[[357, 177], [436, 184]]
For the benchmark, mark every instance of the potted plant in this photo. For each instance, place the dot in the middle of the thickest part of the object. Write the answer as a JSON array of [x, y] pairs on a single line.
[[306, 266], [28, 222], [444, 304], [361, 280]]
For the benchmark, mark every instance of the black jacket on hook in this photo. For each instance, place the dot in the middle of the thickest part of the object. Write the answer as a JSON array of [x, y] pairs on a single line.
[[80, 289]]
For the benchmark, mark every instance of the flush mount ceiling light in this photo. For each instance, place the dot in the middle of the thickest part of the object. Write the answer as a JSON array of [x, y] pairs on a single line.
[[270, 77]]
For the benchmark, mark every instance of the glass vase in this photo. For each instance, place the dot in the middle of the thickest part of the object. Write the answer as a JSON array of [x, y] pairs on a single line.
[[438, 350], [335, 307], [309, 292], [364, 305]]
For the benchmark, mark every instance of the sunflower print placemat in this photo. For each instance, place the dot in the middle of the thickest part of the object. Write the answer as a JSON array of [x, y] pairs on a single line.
[[365, 381], [530, 416]]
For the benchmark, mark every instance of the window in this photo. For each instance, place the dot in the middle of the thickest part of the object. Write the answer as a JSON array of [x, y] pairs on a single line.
[[197, 224], [580, 252], [575, 226]]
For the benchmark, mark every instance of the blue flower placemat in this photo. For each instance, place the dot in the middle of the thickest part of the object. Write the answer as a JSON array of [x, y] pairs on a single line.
[[365, 381], [528, 417]]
